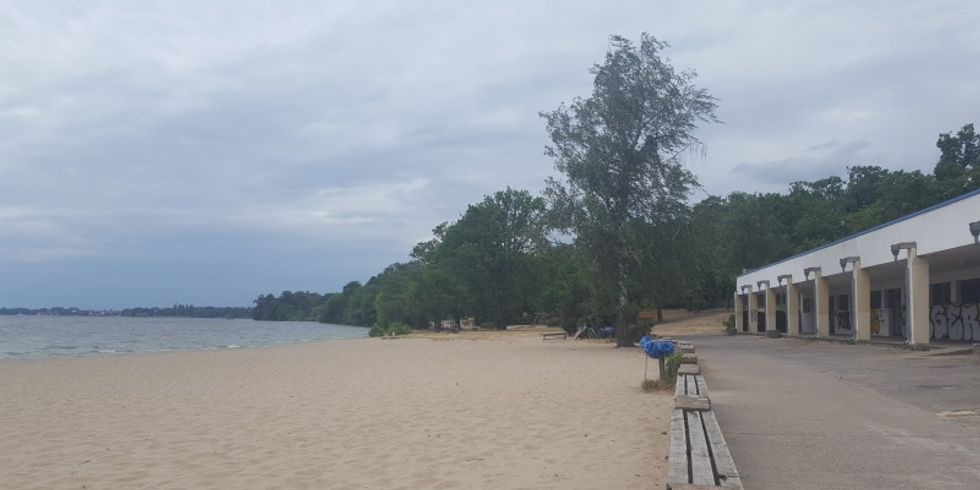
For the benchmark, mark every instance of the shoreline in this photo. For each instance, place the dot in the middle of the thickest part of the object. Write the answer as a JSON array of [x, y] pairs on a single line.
[[84, 337], [99, 355], [501, 410]]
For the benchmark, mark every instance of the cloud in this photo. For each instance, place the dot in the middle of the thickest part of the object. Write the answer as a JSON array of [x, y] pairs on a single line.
[[816, 162], [363, 211], [229, 148]]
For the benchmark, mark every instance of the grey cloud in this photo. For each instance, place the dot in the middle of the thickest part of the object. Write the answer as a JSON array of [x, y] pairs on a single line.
[[816, 162], [242, 147]]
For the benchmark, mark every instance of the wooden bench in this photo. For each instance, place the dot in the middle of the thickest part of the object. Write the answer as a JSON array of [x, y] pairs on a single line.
[[699, 456], [554, 335], [691, 393], [688, 369]]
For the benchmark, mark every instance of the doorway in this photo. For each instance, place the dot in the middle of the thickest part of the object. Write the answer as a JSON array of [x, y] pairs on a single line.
[[896, 313]]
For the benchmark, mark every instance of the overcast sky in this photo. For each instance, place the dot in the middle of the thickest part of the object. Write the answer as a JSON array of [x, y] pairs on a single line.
[[207, 152]]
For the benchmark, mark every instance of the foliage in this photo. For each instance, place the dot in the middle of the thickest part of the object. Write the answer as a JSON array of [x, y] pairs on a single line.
[[177, 310], [389, 330], [490, 252], [672, 364], [669, 381], [619, 235], [618, 152], [958, 169], [289, 306], [729, 323]]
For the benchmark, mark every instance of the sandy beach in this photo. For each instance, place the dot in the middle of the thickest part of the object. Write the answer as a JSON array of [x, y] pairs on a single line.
[[474, 410]]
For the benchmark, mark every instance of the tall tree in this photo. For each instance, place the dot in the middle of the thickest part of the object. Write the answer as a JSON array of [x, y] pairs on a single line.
[[619, 152], [958, 169], [488, 252]]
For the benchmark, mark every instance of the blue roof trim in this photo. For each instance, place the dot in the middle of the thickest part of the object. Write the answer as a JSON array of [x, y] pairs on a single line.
[[869, 230]]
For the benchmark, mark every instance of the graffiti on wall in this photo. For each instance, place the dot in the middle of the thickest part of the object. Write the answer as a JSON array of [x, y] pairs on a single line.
[[955, 322], [875, 322]]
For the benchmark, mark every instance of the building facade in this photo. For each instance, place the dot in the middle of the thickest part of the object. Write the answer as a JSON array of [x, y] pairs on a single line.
[[916, 278]]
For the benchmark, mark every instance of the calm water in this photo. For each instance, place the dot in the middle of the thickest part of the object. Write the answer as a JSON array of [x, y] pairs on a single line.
[[51, 336]]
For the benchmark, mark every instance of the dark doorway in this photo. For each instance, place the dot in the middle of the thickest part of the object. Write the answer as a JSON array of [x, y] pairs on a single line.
[[781, 313], [893, 301]]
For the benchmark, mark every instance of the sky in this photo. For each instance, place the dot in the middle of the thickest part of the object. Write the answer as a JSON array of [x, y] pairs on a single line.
[[154, 153]]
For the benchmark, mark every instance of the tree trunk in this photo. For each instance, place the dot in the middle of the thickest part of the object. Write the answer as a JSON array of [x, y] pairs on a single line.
[[660, 315], [622, 306]]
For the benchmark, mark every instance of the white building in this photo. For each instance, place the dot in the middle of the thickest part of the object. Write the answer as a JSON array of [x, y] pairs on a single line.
[[915, 278]]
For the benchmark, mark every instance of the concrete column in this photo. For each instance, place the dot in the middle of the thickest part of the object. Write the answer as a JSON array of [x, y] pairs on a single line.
[[862, 302], [918, 271], [792, 309], [770, 309], [821, 304], [738, 312], [954, 292], [753, 319]]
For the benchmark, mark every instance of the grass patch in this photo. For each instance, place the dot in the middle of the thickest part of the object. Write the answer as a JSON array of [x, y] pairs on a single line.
[[658, 384], [671, 365]]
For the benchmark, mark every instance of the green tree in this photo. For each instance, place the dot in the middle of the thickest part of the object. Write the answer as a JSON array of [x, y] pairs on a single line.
[[619, 153], [488, 251], [958, 169], [561, 285]]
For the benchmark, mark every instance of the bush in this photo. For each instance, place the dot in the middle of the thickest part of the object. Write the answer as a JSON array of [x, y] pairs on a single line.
[[392, 329], [398, 329], [729, 323], [672, 364]]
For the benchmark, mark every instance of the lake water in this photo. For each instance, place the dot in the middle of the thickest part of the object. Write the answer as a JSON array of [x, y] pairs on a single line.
[[53, 336]]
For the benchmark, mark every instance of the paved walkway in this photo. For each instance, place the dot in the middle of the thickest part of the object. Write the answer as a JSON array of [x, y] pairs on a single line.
[[805, 414]]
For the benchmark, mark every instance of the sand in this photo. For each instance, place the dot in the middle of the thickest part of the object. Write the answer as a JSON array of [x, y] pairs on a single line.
[[500, 411], [682, 322]]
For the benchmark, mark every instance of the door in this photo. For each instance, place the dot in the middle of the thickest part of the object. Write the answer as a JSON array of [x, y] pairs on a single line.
[[806, 317], [896, 323]]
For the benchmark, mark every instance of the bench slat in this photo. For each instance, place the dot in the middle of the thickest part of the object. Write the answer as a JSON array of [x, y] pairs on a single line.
[[680, 386], [724, 463], [677, 468], [702, 387], [701, 471]]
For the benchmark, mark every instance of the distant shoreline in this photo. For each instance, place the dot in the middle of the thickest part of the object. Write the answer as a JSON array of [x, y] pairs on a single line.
[[175, 311]]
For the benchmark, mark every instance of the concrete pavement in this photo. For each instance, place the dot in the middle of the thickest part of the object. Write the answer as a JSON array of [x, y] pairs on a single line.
[[803, 414]]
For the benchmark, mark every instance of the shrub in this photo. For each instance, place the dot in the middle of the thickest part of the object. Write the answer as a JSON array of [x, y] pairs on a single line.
[[391, 329], [672, 364], [398, 329], [729, 323]]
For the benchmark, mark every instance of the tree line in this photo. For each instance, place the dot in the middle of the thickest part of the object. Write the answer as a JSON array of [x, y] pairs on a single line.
[[177, 310], [615, 232]]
